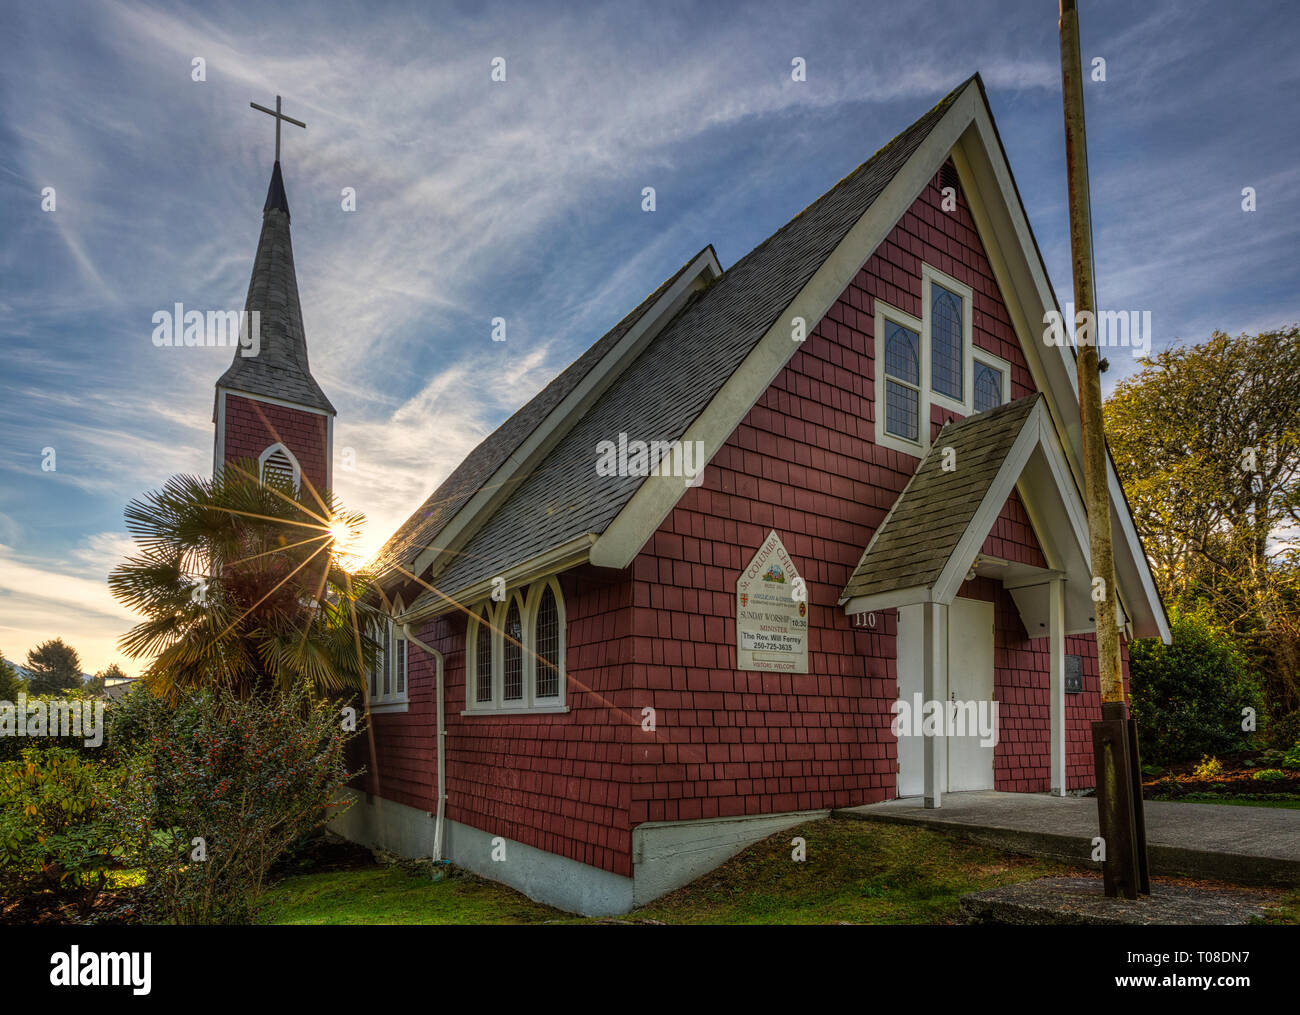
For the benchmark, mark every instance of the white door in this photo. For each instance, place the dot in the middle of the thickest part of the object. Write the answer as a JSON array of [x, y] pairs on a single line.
[[911, 750], [970, 682]]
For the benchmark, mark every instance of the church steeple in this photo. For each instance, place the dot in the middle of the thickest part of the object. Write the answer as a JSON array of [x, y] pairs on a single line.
[[279, 369], [269, 407]]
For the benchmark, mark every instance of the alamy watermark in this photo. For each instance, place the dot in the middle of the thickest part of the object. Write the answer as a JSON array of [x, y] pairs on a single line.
[[946, 718], [217, 328], [624, 457], [1107, 329], [84, 719]]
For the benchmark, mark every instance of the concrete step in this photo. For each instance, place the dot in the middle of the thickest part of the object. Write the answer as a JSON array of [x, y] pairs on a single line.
[[1242, 845], [1082, 900]]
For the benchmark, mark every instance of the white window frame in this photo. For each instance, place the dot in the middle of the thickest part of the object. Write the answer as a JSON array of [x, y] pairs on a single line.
[[884, 313], [928, 396], [390, 655], [930, 275], [529, 600], [293, 460], [532, 608], [997, 363]]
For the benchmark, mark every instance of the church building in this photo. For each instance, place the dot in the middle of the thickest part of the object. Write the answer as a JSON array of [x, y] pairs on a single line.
[[668, 607]]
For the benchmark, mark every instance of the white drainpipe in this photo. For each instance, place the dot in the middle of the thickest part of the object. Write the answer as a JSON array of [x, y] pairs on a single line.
[[442, 740]]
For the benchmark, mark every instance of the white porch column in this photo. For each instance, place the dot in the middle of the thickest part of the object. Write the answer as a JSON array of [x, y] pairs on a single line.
[[1056, 680], [935, 688]]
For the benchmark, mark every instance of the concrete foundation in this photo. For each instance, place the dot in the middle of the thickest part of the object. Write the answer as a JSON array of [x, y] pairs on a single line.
[[665, 854]]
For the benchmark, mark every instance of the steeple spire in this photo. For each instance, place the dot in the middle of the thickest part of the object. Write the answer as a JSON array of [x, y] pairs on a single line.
[[268, 408], [275, 195], [279, 369]]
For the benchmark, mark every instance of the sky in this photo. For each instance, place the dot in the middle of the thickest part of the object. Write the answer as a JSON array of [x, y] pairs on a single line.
[[521, 199]]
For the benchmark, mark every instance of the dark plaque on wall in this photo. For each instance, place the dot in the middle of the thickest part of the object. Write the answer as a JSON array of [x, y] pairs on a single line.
[[1073, 674]]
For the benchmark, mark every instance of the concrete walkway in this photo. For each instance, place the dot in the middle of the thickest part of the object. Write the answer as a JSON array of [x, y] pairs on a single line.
[[1243, 845]]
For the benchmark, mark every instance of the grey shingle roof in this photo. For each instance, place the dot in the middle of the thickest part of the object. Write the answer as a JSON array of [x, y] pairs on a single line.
[[422, 528], [280, 369], [921, 531], [661, 393]]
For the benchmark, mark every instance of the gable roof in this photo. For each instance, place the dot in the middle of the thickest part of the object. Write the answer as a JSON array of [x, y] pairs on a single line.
[[920, 533], [699, 375], [279, 370], [659, 394], [419, 532]]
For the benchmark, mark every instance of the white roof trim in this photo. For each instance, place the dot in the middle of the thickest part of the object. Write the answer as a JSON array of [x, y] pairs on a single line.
[[966, 131], [552, 562], [657, 495], [1067, 520]]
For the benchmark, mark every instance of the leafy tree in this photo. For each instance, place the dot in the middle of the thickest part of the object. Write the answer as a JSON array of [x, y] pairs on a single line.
[[99, 681], [241, 587], [52, 667], [1206, 440], [11, 684]]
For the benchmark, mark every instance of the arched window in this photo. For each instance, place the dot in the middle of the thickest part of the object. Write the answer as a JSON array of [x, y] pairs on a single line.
[[945, 342], [902, 381], [278, 465], [514, 652], [547, 644], [988, 387], [482, 668], [512, 655], [387, 675]]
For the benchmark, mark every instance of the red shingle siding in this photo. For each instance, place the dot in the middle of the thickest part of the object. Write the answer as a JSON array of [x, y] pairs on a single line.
[[557, 782], [663, 634], [253, 425], [804, 462]]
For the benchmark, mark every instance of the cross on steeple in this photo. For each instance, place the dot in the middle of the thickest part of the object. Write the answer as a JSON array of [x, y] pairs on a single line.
[[278, 117]]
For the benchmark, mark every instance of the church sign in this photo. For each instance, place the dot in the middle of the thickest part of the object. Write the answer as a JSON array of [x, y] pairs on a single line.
[[772, 612]]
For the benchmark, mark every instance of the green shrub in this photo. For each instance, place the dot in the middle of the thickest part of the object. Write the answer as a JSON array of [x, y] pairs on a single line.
[[1291, 759], [1188, 696], [1284, 730], [220, 789], [1269, 775], [56, 826], [13, 747]]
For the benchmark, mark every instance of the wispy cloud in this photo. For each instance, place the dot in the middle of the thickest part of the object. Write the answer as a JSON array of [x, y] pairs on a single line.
[[521, 200]]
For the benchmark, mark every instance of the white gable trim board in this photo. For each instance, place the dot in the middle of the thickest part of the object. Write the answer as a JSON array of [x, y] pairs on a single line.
[[624, 537], [967, 131]]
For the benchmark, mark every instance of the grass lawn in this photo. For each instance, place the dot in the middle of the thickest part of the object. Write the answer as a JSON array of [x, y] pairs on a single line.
[[855, 872]]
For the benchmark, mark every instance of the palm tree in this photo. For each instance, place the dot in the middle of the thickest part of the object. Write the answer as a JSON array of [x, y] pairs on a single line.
[[241, 585]]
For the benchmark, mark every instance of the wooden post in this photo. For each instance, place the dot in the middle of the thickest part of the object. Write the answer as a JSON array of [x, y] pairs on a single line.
[[1114, 745]]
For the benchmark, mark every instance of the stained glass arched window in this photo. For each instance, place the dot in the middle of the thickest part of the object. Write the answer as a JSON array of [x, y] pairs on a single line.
[[988, 386], [512, 655], [483, 660], [902, 381], [945, 342], [546, 642]]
